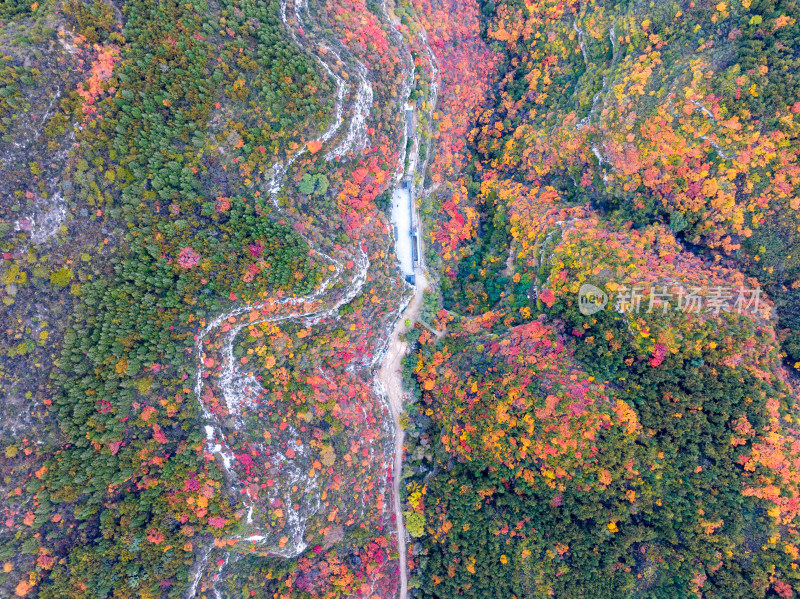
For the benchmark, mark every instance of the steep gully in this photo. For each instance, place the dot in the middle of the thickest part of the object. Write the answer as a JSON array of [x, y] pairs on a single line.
[[239, 389]]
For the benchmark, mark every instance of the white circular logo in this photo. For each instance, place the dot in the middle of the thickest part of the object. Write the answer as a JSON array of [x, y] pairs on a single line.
[[591, 299]]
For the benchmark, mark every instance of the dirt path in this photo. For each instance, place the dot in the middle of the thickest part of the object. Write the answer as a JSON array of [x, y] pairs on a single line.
[[389, 375]]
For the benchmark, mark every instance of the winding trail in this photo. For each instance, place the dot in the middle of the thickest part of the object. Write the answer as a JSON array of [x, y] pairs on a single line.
[[238, 389]]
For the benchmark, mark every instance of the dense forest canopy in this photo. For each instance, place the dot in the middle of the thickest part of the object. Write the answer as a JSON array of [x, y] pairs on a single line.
[[596, 358]]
